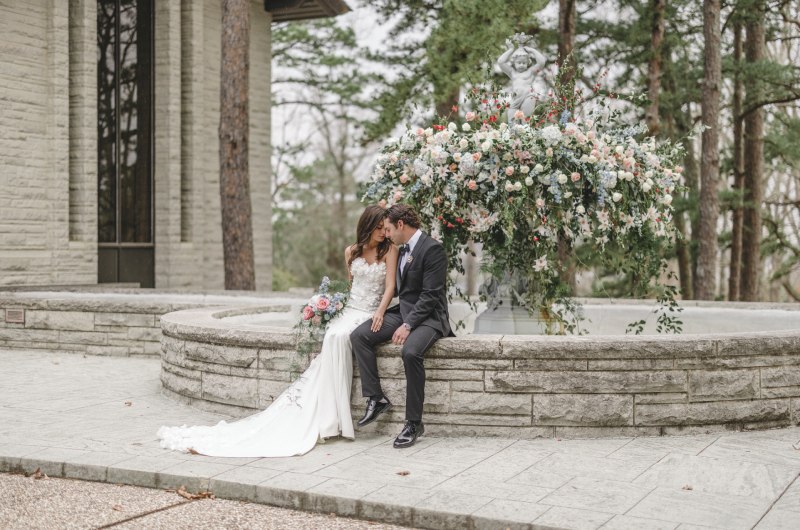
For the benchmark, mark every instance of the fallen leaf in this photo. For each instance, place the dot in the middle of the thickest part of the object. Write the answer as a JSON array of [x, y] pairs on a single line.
[[687, 487], [403, 473], [128, 403], [192, 451], [38, 475], [117, 508], [194, 496]]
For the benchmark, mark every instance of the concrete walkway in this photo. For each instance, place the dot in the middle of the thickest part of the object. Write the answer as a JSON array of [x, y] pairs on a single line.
[[95, 418]]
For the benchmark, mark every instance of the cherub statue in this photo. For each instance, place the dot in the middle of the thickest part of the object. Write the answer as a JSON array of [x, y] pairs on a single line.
[[521, 63]]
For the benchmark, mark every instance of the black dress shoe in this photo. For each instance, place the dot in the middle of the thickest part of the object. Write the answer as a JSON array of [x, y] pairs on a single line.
[[374, 409], [408, 436]]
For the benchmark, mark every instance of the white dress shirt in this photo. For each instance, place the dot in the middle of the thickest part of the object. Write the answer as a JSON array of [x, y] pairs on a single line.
[[411, 244]]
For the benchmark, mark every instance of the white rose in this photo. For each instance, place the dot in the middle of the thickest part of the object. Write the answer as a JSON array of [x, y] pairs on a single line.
[[452, 126], [567, 195], [457, 157], [528, 181], [517, 186], [486, 146], [562, 178], [428, 132], [580, 209], [616, 197], [646, 187], [465, 127], [667, 200], [463, 143], [619, 149], [524, 170], [592, 159], [503, 126], [509, 186], [538, 168]]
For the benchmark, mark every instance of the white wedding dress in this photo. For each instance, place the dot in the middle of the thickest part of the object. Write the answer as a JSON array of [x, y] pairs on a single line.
[[316, 406]]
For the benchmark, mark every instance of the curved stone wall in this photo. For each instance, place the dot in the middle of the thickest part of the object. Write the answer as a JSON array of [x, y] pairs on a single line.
[[515, 386]]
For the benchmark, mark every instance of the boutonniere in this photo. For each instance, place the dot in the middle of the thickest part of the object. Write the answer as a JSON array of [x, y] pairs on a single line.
[[409, 259]]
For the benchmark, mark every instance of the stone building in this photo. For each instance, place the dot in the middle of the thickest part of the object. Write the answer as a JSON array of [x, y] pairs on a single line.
[[109, 111]]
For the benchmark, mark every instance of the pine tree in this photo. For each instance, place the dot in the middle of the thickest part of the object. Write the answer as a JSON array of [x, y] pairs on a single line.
[[234, 179]]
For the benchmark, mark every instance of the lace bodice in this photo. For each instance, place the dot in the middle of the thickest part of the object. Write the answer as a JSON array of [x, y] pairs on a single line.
[[369, 281]]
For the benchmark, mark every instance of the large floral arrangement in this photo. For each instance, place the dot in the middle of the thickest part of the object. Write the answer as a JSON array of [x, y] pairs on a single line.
[[532, 189], [325, 305]]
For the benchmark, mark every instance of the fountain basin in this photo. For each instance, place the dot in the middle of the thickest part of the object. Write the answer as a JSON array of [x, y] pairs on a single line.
[[237, 360]]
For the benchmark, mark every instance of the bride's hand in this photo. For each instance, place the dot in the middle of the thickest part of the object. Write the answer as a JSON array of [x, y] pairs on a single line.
[[377, 321]]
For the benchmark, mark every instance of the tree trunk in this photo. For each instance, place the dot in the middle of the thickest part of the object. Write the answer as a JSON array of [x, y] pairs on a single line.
[[734, 274], [234, 179], [445, 107], [651, 114], [684, 259], [755, 50], [690, 175], [567, 17], [706, 285]]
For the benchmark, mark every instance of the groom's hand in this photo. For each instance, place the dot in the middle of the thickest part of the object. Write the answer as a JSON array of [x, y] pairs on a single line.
[[400, 335]]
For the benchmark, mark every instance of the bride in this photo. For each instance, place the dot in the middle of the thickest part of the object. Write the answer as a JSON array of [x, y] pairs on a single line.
[[317, 405]]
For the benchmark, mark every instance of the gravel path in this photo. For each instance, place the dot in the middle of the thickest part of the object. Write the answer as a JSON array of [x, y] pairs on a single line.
[[48, 503]]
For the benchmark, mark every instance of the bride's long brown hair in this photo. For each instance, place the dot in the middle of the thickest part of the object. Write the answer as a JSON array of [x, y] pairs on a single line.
[[372, 217]]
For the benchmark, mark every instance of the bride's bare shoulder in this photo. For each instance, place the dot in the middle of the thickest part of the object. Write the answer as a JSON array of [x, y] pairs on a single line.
[[348, 251]]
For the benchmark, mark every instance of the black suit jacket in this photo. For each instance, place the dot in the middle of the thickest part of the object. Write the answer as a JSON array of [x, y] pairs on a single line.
[[423, 287]]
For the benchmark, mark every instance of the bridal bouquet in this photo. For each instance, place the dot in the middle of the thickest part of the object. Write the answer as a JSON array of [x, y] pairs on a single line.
[[324, 306]]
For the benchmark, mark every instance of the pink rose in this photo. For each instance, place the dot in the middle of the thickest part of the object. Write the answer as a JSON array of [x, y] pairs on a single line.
[[420, 131], [470, 116], [403, 178], [472, 185], [323, 303], [509, 171], [476, 156], [398, 195], [575, 176], [308, 312]]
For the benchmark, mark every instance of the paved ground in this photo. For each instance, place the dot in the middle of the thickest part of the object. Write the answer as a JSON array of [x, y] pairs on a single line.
[[95, 418]]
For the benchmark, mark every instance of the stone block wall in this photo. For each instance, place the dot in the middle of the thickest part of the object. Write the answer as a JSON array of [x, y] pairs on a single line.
[[88, 328], [188, 215], [47, 115], [516, 386]]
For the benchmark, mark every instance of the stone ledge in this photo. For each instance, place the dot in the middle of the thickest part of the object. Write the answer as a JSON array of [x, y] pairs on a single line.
[[521, 386]]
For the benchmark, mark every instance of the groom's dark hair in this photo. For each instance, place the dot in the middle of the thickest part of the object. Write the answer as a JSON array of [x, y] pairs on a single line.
[[403, 212]]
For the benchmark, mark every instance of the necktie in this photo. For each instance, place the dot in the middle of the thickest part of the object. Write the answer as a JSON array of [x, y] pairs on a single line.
[[403, 251]]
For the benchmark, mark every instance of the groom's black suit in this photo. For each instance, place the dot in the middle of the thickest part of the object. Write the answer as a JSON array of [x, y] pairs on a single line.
[[422, 289]]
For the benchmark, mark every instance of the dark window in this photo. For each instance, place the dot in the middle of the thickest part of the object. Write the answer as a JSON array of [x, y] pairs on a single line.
[[124, 130]]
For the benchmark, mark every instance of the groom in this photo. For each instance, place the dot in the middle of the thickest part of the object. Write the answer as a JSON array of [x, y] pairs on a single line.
[[420, 320]]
